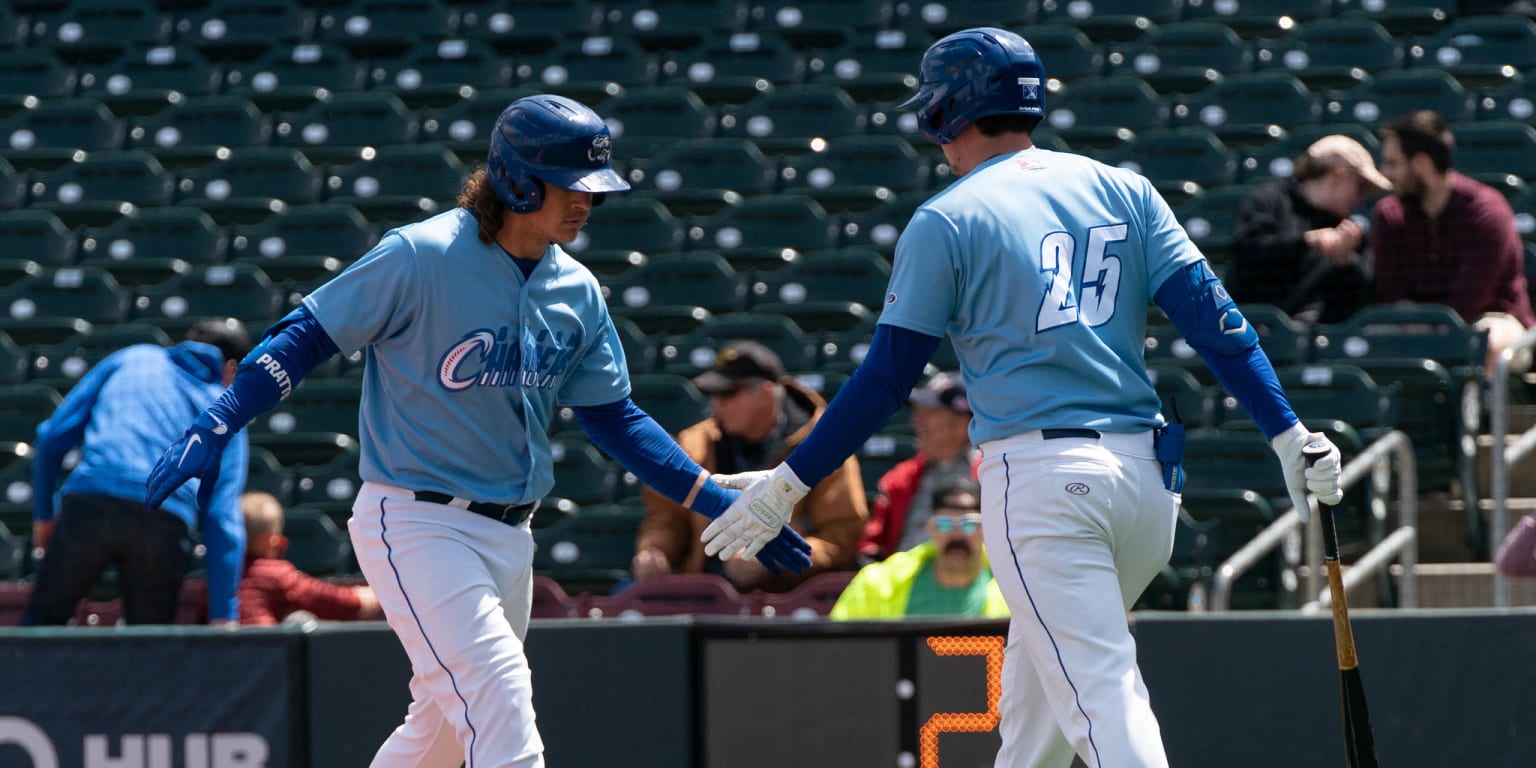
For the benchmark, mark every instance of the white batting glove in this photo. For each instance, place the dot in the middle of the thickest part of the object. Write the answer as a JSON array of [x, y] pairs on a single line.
[[757, 516], [1322, 478], [741, 480]]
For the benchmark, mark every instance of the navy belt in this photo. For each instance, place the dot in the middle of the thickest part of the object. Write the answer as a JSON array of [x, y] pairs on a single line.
[[511, 514], [1057, 434]]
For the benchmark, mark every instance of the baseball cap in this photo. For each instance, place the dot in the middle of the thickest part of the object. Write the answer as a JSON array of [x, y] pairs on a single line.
[[739, 360], [944, 390], [1349, 153]]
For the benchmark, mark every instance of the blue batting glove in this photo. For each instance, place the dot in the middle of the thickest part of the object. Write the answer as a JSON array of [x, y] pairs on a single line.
[[788, 552], [197, 454]]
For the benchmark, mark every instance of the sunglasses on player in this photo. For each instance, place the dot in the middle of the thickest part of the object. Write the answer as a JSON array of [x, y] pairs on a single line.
[[947, 524]]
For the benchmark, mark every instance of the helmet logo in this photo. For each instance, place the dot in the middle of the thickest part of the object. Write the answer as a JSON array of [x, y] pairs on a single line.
[[1031, 86], [602, 149]]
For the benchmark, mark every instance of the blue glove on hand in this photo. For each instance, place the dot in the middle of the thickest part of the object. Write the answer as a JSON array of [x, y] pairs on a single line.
[[197, 454]]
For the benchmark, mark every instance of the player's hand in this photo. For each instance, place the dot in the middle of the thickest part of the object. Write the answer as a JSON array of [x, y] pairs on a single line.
[[196, 454], [788, 552], [1322, 478], [741, 480], [756, 517]]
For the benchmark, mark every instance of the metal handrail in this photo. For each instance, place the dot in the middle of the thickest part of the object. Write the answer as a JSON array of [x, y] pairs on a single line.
[[1404, 540], [1392, 445], [1503, 457]]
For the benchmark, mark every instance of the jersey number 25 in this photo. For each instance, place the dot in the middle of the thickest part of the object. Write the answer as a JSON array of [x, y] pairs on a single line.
[[1093, 300]]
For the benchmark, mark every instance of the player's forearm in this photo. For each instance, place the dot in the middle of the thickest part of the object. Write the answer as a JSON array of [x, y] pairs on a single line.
[[623, 431], [293, 347], [876, 390]]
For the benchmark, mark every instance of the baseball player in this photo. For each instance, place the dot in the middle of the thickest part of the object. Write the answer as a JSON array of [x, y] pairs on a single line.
[[1038, 266], [474, 323]]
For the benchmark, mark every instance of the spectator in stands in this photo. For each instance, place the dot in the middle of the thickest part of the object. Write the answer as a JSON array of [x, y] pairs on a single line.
[[1295, 245], [1444, 238], [273, 588], [941, 415], [758, 414], [121, 414], [1517, 555], [946, 575]]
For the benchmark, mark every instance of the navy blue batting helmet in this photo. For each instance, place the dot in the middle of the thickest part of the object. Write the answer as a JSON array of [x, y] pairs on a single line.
[[972, 74], [552, 139]]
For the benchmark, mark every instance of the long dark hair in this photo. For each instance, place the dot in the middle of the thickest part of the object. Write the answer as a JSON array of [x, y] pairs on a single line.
[[478, 196]]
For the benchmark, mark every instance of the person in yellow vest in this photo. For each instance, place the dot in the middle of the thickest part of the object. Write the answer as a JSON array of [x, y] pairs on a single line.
[[948, 575]]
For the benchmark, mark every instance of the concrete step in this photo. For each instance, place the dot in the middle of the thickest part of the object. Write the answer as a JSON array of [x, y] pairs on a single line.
[[1444, 529], [1462, 585], [1522, 476], [1517, 507]]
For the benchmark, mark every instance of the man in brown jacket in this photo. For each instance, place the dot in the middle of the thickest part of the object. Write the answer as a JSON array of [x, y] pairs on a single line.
[[758, 416]]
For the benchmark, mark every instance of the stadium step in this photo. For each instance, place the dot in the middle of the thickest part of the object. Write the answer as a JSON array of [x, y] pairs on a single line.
[[1522, 476], [1463, 585]]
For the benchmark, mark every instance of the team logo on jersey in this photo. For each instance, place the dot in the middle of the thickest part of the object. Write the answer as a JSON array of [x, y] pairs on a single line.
[[890, 298], [494, 359], [602, 149]]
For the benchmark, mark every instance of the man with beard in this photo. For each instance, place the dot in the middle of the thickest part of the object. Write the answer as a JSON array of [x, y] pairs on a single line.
[[947, 575], [1444, 238]]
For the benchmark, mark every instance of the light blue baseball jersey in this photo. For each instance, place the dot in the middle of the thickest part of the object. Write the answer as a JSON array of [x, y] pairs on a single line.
[[1039, 266], [466, 359]]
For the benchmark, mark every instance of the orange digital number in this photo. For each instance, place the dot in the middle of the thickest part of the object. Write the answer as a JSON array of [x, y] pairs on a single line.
[[963, 722]]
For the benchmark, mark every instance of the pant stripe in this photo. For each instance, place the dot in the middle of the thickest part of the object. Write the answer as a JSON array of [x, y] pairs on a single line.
[[1008, 530], [389, 552]]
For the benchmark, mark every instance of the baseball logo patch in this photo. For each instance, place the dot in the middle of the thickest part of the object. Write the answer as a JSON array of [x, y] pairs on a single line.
[[1077, 489], [890, 298], [602, 148]]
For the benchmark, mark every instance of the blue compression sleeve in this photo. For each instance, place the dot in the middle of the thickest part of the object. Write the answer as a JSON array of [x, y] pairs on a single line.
[[875, 391], [289, 350], [1199, 306], [628, 434]]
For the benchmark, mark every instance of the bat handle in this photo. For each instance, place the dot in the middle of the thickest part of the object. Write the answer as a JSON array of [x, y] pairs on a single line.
[[1312, 452]]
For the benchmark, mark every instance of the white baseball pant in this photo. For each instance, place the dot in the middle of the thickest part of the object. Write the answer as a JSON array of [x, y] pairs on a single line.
[[456, 588], [1075, 528]]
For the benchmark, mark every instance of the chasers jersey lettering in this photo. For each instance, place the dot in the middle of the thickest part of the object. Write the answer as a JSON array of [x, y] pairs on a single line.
[[487, 358]]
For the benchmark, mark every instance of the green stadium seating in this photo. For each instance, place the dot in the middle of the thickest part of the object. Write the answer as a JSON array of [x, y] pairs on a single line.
[[1179, 161], [1183, 397], [12, 270], [181, 232], [1226, 519], [851, 274], [582, 473], [315, 545], [768, 231], [1259, 18], [99, 188], [695, 352], [639, 349], [1112, 21], [671, 25], [291, 78], [670, 399], [819, 24], [99, 30], [1072, 55], [264, 474], [30, 74], [589, 69], [398, 182], [1402, 18], [1480, 50], [872, 66], [880, 453], [1497, 147], [74, 357], [245, 29], [630, 223], [440, 73], [252, 184], [195, 132], [67, 292], [702, 177], [1210, 219], [588, 549], [22, 408], [37, 235], [1243, 109], [942, 18], [1186, 57], [373, 29], [143, 81], [1334, 54], [324, 465], [1396, 92], [336, 129], [324, 229], [1106, 113], [735, 68], [320, 405], [531, 25], [238, 290], [644, 121], [694, 279], [857, 173], [840, 330], [56, 130], [788, 119]]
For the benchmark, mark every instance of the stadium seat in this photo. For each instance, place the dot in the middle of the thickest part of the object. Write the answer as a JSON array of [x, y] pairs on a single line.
[[1210, 219], [252, 184], [245, 29], [876, 65], [264, 474], [338, 128], [694, 279], [93, 190], [53, 132], [398, 182], [812, 598], [677, 594], [88, 293], [143, 81], [1071, 54], [582, 473], [1186, 57], [1111, 21], [75, 356], [941, 18], [1183, 397], [319, 405], [235, 290], [1179, 161], [644, 121], [315, 545], [639, 349], [291, 78], [703, 176], [695, 353], [660, 320], [735, 68], [819, 24], [37, 235], [1405, 330], [16, 480], [670, 399], [179, 232], [323, 229], [1104, 114], [626, 223], [789, 118], [1497, 147], [34, 332], [856, 173], [324, 464], [589, 69], [768, 231], [1260, 18], [1480, 50], [1396, 92], [879, 228], [1229, 518], [22, 408], [30, 74], [551, 602], [671, 25], [840, 330], [195, 132], [531, 25], [15, 362], [12, 270], [854, 274], [439, 73], [99, 30], [369, 29], [880, 453], [1243, 109], [588, 550], [465, 126], [1401, 18], [1334, 54], [1336, 391]]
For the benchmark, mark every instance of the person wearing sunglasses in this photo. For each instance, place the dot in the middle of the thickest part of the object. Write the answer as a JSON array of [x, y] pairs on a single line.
[[947, 575]]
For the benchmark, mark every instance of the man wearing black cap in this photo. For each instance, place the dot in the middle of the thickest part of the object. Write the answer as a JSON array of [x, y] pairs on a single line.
[[758, 415], [941, 414]]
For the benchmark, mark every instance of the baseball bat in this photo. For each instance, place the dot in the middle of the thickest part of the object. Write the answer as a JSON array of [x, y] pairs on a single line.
[[1359, 742]]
